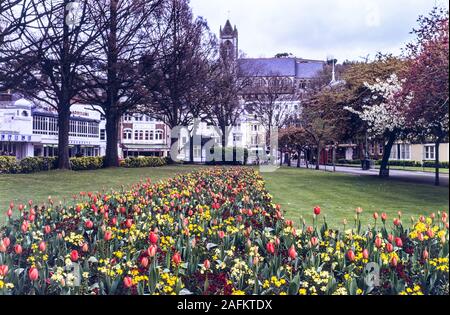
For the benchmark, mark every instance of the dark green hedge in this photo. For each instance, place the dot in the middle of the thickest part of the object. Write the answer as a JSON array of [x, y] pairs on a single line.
[[145, 161], [10, 165], [241, 153]]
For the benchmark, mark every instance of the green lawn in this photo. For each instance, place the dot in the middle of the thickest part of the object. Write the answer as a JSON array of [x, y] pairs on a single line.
[[406, 168], [63, 184], [297, 190]]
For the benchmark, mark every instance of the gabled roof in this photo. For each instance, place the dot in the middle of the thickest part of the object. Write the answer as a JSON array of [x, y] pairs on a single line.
[[281, 67]]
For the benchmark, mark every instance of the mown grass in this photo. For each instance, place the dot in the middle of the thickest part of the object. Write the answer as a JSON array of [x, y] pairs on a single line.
[[297, 190]]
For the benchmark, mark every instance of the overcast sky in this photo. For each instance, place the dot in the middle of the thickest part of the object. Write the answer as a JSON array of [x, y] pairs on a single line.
[[315, 29]]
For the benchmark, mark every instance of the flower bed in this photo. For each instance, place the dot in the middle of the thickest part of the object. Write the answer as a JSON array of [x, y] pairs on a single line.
[[214, 231]]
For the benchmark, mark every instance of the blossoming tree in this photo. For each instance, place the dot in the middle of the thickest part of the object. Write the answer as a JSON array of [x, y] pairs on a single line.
[[384, 112]]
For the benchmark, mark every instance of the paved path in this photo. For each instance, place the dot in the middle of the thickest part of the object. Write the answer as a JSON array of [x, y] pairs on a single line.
[[408, 176]]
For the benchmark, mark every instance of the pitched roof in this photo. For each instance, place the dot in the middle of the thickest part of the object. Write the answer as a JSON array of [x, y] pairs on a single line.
[[227, 30], [281, 67]]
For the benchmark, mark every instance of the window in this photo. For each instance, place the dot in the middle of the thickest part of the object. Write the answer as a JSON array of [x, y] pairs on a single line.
[[138, 117], [237, 138], [400, 151], [102, 134], [147, 135], [380, 149], [127, 117], [127, 134], [254, 140], [430, 152], [255, 127], [159, 135], [197, 151]]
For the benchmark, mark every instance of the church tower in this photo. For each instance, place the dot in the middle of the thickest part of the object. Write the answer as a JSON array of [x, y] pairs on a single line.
[[229, 42]]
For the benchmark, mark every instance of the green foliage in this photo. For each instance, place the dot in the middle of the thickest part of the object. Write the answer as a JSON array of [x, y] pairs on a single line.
[[145, 161], [86, 163], [8, 164]]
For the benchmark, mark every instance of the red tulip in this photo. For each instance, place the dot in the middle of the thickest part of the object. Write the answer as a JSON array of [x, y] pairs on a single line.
[[176, 259], [18, 249], [128, 223], [310, 229], [85, 248], [375, 215], [33, 274], [30, 202], [221, 234], [317, 210], [430, 233], [21, 207], [127, 282], [389, 247], [47, 229], [422, 219], [9, 212], [420, 237], [394, 261], [391, 238], [425, 255], [397, 222], [384, 217], [2, 248], [11, 205], [6, 242], [270, 248], [3, 270], [152, 250], [78, 208], [398, 242], [292, 252], [24, 226], [153, 238], [207, 264], [365, 254], [89, 224], [314, 241], [359, 210], [42, 246], [108, 235], [144, 262], [74, 255], [351, 255]]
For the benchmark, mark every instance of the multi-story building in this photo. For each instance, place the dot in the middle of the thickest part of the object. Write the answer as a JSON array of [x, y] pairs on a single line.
[[142, 135]]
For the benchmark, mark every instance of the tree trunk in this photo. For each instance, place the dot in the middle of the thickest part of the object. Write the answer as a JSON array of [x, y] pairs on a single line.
[[191, 149], [437, 149], [318, 156], [281, 158], [224, 143], [298, 159], [386, 155], [112, 139], [63, 138], [289, 159]]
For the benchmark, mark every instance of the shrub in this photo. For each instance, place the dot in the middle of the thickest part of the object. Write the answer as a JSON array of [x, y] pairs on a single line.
[[86, 163], [8, 164], [214, 231], [349, 162], [433, 164], [144, 161], [37, 164]]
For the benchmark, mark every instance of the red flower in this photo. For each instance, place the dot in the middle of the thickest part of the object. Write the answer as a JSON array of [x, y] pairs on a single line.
[[394, 261], [85, 248], [144, 262], [389, 247], [365, 254], [384, 217], [270, 248], [6, 242], [9, 212], [127, 282], [153, 238], [3, 270], [398, 242], [47, 229], [292, 252], [42, 246], [317, 210], [425, 255], [378, 242], [89, 224], [176, 259], [375, 215], [430, 233], [108, 235], [152, 250], [397, 222], [18, 249], [33, 274], [207, 264], [314, 241], [74, 255], [351, 255], [221, 234], [128, 223]]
